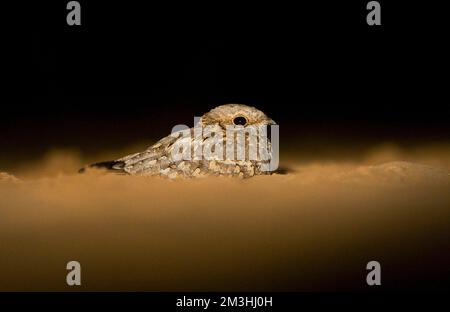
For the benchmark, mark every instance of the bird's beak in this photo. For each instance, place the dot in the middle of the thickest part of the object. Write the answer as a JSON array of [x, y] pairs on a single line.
[[271, 122]]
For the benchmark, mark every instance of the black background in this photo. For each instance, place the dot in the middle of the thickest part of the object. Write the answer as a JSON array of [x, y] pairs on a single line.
[[367, 301], [132, 70]]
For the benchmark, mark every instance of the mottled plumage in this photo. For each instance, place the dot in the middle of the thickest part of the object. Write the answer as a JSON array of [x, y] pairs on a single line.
[[158, 159]]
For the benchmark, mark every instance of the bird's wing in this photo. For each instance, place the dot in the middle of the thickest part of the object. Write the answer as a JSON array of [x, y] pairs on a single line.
[[152, 160], [148, 162]]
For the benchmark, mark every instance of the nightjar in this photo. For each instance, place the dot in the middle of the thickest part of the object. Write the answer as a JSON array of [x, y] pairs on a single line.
[[229, 140]]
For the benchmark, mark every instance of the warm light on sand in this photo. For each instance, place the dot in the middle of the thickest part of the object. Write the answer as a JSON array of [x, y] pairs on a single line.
[[313, 228]]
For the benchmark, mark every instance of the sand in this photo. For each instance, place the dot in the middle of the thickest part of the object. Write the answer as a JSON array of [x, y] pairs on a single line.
[[312, 228]]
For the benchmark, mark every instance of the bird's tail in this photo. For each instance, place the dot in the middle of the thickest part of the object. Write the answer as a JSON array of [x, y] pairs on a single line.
[[113, 165]]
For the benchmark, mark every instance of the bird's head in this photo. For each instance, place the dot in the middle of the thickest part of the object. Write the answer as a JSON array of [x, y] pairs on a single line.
[[235, 115]]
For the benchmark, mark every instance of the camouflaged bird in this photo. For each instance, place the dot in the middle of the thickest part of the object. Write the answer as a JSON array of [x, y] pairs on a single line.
[[159, 159]]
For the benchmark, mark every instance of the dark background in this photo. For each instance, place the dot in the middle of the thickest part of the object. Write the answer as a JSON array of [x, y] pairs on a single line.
[[132, 70]]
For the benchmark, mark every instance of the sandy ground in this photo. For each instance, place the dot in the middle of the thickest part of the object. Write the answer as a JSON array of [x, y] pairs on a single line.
[[312, 228]]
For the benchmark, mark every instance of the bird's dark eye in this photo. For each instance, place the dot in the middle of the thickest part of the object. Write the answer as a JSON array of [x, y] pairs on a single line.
[[240, 121]]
